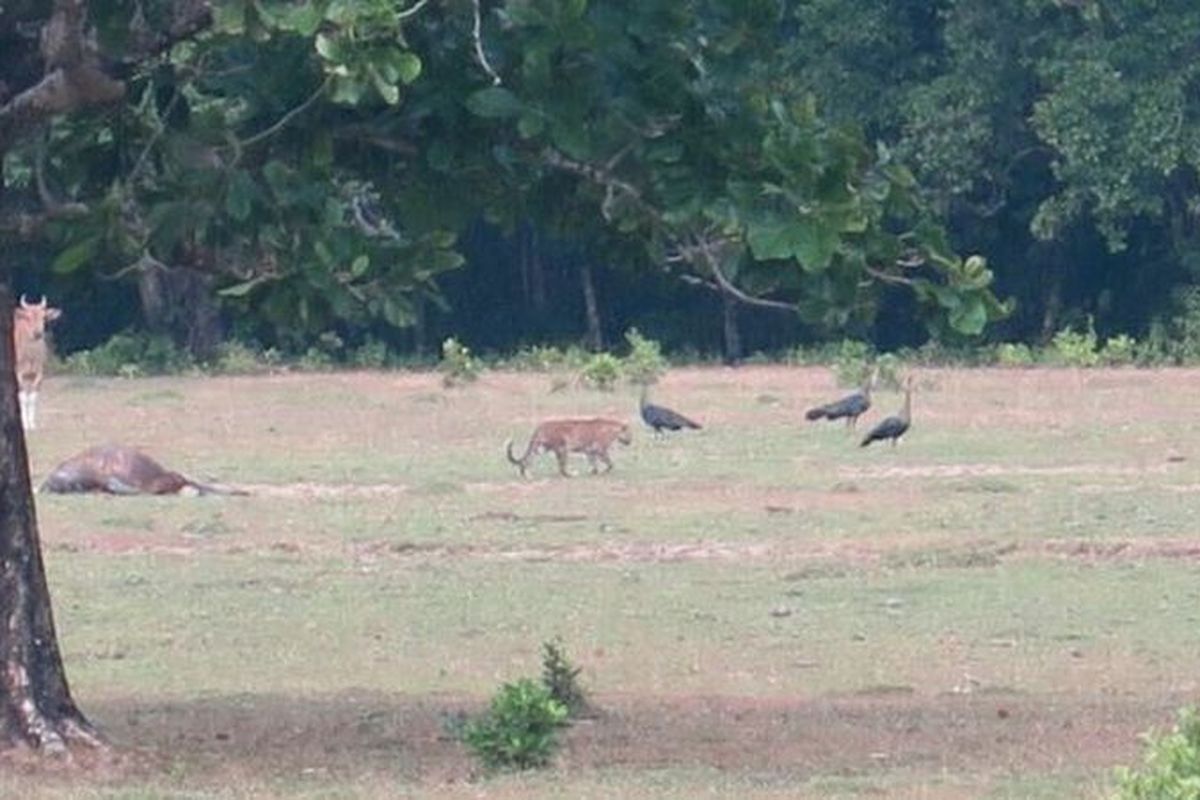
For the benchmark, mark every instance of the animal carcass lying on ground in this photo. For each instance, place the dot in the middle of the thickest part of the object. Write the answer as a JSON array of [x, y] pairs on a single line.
[[116, 469]]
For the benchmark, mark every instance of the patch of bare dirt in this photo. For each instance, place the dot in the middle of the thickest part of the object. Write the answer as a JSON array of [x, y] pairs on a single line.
[[266, 737]]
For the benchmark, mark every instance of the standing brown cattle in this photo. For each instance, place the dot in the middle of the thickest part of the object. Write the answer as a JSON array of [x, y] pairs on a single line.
[[29, 341]]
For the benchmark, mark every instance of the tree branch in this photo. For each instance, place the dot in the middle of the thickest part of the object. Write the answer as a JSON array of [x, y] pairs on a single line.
[[274, 128], [411, 12], [477, 32], [73, 75], [699, 249]]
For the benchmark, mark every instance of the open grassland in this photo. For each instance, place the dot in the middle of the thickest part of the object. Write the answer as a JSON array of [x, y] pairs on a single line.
[[762, 609]]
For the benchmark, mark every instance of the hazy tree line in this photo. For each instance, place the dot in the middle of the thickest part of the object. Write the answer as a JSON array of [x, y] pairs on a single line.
[[722, 175]]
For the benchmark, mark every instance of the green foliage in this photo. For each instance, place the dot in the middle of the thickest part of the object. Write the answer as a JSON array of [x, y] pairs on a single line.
[[1073, 348], [130, 355], [1014, 354], [602, 371], [520, 729], [645, 363], [1176, 339], [1171, 765], [371, 354], [236, 358], [457, 366], [561, 678], [889, 368], [852, 364], [546, 358], [1119, 351]]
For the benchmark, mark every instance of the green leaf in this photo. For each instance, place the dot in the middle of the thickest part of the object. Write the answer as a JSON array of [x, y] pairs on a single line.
[[76, 255], [494, 102], [301, 18], [530, 125], [241, 289], [359, 266], [239, 198], [327, 47], [408, 66], [808, 240], [970, 317], [346, 91]]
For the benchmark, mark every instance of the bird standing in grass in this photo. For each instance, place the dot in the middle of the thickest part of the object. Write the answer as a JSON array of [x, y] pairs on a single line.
[[850, 407], [893, 427], [660, 418]]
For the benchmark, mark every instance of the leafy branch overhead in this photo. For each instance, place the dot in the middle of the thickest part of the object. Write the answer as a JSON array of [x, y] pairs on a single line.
[[317, 160], [721, 165]]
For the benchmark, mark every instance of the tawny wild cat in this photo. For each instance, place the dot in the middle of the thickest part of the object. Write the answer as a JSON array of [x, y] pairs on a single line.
[[592, 437]]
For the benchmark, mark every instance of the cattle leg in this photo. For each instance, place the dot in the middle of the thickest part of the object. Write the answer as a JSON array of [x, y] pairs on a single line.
[[33, 396], [27, 410]]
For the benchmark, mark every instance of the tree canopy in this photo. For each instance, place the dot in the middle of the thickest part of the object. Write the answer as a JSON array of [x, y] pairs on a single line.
[[366, 166]]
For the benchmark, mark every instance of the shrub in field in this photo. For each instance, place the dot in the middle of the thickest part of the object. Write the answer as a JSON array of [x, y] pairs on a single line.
[[238, 358], [1074, 349], [602, 371], [519, 729], [1119, 350], [547, 358], [889, 367], [130, 355], [561, 678], [645, 363], [1014, 354], [1171, 765], [371, 354], [457, 366], [852, 363]]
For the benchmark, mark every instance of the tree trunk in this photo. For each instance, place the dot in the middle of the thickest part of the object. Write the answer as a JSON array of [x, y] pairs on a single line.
[[36, 709], [533, 270], [179, 302], [595, 336], [733, 336], [419, 329]]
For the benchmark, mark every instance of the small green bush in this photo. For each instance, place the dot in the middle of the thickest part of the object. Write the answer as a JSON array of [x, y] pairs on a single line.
[[130, 355], [547, 358], [852, 363], [1118, 351], [645, 363], [1074, 349], [602, 371], [371, 354], [1014, 354], [315, 360], [561, 678], [237, 358], [457, 366], [519, 729], [1171, 765]]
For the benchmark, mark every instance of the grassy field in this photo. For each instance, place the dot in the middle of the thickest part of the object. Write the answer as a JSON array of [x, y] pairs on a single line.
[[762, 609]]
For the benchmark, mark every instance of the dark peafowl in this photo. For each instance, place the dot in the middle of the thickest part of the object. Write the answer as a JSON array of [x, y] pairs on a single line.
[[661, 419], [893, 427], [850, 407]]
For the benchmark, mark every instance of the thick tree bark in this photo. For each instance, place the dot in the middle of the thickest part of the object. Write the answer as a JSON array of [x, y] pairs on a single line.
[[595, 334], [179, 302], [36, 709]]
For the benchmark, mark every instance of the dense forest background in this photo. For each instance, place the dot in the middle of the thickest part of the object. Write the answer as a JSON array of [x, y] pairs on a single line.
[[725, 176]]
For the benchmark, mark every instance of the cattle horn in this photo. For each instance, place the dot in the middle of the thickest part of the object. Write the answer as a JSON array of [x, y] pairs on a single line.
[[43, 303], [24, 302]]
